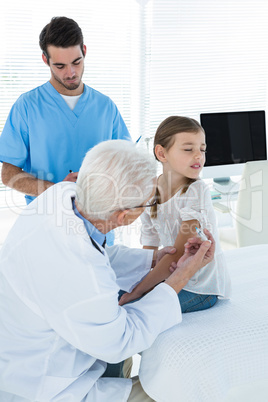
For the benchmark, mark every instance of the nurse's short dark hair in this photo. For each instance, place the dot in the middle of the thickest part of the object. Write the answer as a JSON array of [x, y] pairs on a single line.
[[60, 32]]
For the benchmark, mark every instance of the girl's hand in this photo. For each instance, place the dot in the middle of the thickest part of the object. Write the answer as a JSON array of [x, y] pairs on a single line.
[[128, 297]]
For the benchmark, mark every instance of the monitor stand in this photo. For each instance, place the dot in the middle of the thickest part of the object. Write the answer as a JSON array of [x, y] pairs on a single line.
[[225, 185]]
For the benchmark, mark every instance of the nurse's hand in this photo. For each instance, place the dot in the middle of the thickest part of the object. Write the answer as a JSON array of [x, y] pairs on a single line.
[[71, 177]]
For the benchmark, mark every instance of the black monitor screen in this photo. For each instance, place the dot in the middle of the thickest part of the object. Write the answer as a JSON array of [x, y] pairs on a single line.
[[235, 137]]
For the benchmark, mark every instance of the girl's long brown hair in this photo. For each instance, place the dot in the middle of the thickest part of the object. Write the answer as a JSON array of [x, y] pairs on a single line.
[[165, 136]]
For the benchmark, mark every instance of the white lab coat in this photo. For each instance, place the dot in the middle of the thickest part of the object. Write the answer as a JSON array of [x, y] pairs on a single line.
[[60, 319]]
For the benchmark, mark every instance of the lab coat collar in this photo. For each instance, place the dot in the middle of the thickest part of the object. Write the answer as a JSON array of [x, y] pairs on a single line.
[[92, 231]]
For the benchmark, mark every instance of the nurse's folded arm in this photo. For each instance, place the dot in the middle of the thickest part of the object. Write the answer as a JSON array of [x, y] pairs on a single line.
[[14, 177], [72, 176]]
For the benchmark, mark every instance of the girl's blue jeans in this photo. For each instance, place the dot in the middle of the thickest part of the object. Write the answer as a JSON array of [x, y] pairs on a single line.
[[195, 302]]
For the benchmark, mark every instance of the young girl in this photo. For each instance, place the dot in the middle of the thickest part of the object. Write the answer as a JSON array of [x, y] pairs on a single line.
[[183, 203]]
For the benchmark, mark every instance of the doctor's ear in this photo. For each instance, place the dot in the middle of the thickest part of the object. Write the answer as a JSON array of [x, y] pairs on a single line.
[[160, 153], [121, 217]]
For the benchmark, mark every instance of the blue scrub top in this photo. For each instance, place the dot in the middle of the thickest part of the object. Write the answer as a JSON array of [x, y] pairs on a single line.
[[45, 138]]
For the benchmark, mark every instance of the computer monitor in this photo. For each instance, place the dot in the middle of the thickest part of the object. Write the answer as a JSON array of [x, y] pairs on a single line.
[[232, 140]]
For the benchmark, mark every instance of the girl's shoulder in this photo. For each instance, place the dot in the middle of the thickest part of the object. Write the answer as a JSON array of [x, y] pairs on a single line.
[[198, 185], [198, 189]]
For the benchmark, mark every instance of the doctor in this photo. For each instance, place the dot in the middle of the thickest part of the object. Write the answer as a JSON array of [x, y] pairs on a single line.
[[60, 318]]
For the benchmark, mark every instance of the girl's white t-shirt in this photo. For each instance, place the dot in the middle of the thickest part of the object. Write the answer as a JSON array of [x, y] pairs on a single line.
[[195, 203]]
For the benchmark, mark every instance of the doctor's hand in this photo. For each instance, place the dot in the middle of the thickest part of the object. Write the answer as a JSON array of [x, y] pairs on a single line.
[[136, 293], [197, 254], [158, 254], [193, 245], [72, 176]]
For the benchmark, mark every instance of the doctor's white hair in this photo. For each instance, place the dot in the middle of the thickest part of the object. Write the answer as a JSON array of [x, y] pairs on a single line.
[[115, 175]]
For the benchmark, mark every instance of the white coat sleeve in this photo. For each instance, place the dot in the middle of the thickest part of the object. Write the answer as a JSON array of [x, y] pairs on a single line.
[[130, 265], [112, 333], [77, 295]]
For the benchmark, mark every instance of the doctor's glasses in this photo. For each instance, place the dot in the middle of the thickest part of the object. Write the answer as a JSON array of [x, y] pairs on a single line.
[[139, 206]]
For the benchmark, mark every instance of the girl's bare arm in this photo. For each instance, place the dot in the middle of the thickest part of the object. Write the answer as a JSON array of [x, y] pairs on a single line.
[[161, 270]]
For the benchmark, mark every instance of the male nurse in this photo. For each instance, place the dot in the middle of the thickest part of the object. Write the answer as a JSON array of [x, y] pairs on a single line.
[[50, 128]]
